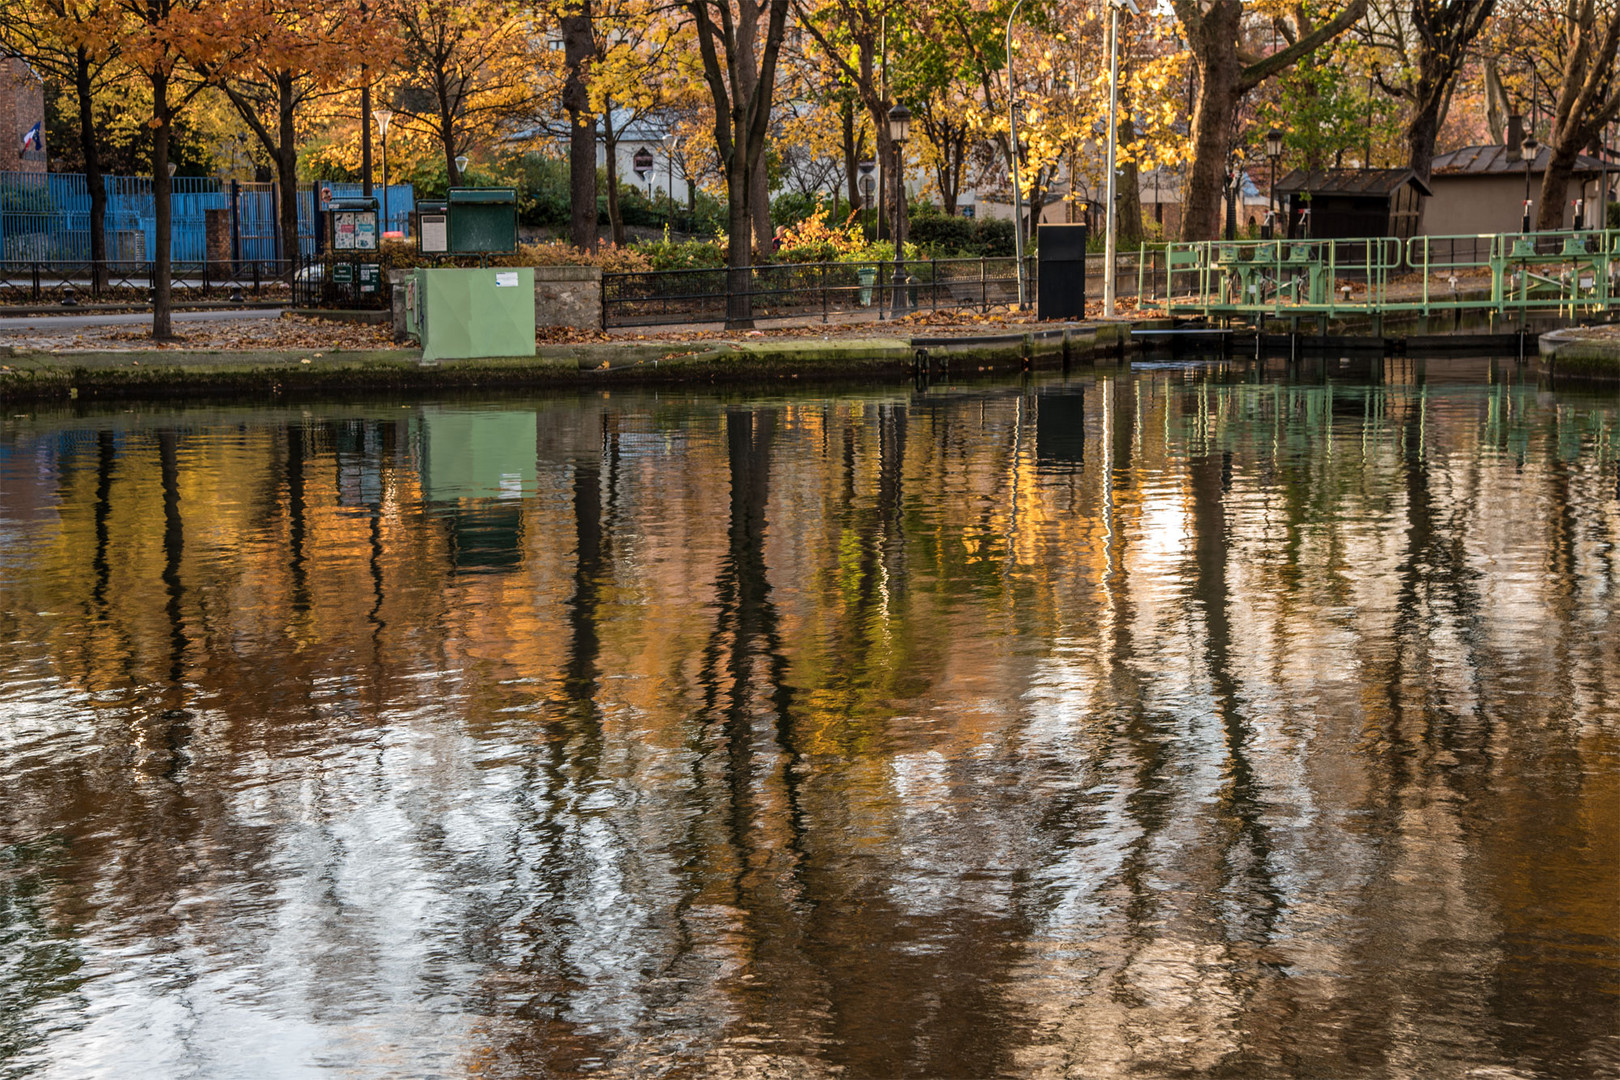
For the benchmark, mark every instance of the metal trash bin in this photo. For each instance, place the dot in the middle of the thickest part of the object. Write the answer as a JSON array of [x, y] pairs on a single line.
[[1060, 290]]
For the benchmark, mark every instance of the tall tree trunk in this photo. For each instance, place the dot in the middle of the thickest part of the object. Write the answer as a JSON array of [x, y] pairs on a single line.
[[162, 262], [447, 133], [610, 151], [741, 122], [286, 154], [94, 182], [852, 165], [1423, 126], [759, 183], [1129, 187], [1588, 98], [1213, 36], [579, 47], [365, 134], [1218, 71]]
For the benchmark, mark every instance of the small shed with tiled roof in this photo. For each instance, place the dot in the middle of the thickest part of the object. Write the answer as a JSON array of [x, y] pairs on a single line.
[[1347, 203], [1480, 189]]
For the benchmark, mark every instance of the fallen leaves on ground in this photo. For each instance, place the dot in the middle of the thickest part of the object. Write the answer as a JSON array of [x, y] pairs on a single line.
[[288, 332]]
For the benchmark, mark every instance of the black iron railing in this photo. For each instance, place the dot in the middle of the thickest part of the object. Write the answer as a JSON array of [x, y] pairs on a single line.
[[68, 283]]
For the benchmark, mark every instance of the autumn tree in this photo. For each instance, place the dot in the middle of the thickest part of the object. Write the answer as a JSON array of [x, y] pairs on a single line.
[[1588, 98], [62, 39], [1227, 66], [468, 71], [173, 46], [304, 48], [855, 36], [1428, 41], [631, 41], [579, 50], [739, 67]]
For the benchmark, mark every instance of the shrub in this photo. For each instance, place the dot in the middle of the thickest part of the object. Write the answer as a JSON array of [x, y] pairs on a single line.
[[611, 258], [792, 207], [669, 254]]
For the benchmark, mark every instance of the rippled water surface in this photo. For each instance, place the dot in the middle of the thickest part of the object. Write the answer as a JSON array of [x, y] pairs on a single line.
[[1167, 723]]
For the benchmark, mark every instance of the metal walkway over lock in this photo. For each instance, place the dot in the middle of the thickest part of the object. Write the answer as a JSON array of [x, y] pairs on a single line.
[[1574, 273]]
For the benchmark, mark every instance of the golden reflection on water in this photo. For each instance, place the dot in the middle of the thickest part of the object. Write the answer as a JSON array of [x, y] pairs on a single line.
[[1162, 723]]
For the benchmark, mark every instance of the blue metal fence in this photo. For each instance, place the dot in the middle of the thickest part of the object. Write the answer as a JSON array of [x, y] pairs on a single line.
[[45, 217]]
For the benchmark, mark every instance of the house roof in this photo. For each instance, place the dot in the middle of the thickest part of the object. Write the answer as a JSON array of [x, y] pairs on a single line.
[[1371, 182], [1497, 161]]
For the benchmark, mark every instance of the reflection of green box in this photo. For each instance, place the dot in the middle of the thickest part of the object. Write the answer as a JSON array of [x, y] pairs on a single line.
[[464, 313], [483, 219], [477, 454], [370, 277]]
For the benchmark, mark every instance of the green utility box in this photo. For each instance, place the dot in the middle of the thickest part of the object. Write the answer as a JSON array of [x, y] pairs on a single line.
[[459, 314], [482, 220]]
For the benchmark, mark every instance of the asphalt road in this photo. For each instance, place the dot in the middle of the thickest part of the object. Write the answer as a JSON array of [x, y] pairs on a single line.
[[34, 324]]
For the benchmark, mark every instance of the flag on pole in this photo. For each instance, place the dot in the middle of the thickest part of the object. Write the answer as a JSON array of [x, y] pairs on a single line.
[[34, 139]]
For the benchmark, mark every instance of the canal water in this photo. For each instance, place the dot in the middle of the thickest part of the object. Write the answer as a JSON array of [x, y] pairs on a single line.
[[1171, 722]]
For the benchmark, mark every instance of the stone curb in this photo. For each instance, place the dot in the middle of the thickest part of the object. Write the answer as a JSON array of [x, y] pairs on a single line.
[[1566, 353], [57, 375]]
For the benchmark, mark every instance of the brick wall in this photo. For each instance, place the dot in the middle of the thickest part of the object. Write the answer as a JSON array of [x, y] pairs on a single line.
[[22, 104]]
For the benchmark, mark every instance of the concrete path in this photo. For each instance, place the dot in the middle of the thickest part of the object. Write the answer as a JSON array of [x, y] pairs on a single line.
[[33, 324]]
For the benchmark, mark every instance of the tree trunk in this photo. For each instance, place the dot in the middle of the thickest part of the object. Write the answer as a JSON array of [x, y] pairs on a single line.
[[759, 183], [286, 153], [1129, 188], [759, 207], [852, 166], [447, 135], [1555, 185], [610, 153], [1424, 125], [94, 182], [365, 133], [162, 329], [1213, 37], [739, 254], [578, 49], [1218, 69]]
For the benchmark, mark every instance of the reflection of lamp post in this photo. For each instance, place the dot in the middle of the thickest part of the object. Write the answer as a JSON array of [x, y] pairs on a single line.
[[899, 132], [383, 118], [1527, 150], [1274, 149]]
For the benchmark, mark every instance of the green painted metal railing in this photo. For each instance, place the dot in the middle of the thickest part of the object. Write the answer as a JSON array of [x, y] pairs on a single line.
[[1569, 271]]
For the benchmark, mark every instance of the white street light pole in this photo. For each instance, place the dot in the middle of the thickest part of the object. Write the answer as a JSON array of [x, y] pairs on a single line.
[[383, 118], [1018, 195], [1110, 245], [1113, 140]]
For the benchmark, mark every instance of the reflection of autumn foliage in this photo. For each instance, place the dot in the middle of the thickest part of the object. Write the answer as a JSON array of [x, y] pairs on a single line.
[[963, 694]]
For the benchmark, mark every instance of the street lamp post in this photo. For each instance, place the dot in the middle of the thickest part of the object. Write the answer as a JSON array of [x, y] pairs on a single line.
[[1018, 194], [384, 117], [670, 142], [1109, 245], [1274, 149], [899, 132], [1527, 150]]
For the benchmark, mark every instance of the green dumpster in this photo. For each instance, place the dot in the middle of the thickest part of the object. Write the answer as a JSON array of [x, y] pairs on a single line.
[[460, 314]]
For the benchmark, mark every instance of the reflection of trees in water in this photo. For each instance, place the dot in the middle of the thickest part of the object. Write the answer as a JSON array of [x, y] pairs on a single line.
[[865, 840]]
